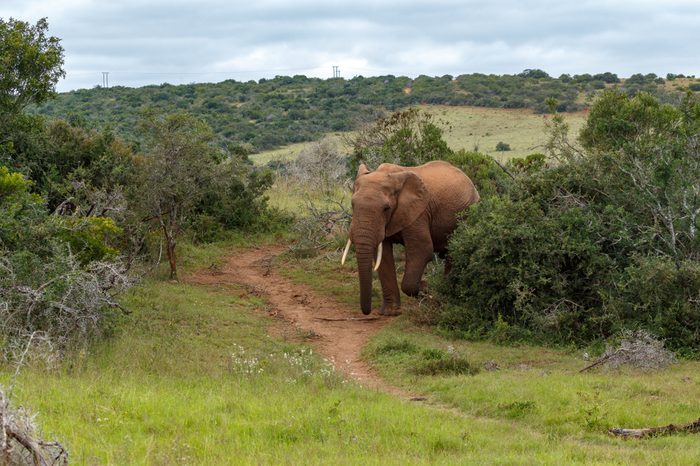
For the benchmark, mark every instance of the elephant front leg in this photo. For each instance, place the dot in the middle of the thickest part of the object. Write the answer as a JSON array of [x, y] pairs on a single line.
[[391, 301]]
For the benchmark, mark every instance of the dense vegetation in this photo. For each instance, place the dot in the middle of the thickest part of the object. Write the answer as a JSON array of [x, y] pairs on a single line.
[[79, 206], [253, 116], [595, 240]]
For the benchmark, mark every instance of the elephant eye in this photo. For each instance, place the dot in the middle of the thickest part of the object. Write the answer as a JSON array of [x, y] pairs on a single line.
[[387, 207]]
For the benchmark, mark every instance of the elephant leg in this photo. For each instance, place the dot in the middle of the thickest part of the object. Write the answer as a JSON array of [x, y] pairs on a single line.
[[419, 251], [391, 300]]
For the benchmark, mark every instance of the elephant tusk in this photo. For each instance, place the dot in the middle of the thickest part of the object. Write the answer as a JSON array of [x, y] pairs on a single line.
[[345, 253], [379, 257]]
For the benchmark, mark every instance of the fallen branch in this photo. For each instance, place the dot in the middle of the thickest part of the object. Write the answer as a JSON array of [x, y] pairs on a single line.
[[692, 427], [597, 362], [18, 444]]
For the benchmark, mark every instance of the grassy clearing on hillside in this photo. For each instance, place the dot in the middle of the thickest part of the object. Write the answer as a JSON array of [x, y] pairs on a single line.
[[289, 152], [289, 196], [532, 389], [481, 129], [471, 128]]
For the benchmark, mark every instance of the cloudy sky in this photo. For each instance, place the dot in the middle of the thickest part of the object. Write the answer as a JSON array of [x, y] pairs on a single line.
[[143, 42]]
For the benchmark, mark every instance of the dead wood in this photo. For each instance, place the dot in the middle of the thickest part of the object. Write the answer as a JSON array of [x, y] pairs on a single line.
[[691, 427]]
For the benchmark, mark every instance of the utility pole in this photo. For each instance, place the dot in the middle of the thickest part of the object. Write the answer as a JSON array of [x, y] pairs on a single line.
[[336, 71], [105, 79]]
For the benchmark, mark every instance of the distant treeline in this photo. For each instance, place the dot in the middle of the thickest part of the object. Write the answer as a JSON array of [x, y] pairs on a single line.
[[253, 116]]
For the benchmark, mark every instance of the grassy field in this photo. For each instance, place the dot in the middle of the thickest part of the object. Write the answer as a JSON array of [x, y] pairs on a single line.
[[289, 152], [193, 376], [535, 391], [196, 375], [480, 129], [471, 128]]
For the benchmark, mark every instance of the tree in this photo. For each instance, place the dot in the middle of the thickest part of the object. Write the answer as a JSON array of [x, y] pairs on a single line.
[[408, 137], [533, 74], [30, 64], [178, 164]]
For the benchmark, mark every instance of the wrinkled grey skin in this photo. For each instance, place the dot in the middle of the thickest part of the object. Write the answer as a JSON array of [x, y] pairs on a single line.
[[413, 206]]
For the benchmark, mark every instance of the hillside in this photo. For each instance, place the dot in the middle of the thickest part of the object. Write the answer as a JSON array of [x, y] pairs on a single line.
[[254, 116]]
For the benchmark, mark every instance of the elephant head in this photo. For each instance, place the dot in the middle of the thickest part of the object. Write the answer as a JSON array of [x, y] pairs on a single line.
[[383, 203]]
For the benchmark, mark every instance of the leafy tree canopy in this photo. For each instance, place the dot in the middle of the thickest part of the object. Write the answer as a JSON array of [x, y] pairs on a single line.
[[30, 64]]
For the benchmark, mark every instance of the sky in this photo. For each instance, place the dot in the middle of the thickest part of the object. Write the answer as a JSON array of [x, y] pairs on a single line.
[[142, 42]]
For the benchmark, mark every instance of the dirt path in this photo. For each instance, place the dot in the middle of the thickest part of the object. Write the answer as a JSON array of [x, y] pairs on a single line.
[[338, 332]]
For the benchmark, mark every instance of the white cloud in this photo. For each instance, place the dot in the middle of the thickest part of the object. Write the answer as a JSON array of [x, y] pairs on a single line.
[[142, 42]]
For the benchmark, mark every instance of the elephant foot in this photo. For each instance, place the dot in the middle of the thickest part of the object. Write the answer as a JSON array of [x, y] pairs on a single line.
[[390, 310]]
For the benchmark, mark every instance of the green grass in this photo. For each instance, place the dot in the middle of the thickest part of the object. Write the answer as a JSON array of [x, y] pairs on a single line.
[[193, 376], [535, 391], [287, 195]]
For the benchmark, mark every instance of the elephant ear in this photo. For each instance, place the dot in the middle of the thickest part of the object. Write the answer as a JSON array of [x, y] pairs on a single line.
[[362, 170], [412, 201]]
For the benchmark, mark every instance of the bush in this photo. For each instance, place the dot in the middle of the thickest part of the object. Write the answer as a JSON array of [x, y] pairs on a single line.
[[488, 177], [408, 137], [502, 147], [446, 366], [58, 278], [569, 250], [515, 264], [670, 308]]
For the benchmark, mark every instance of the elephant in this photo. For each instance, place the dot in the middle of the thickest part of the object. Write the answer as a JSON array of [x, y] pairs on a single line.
[[417, 207]]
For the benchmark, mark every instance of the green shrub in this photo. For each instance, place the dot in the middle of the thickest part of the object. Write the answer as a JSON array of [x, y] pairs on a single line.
[[502, 146], [408, 137], [600, 240], [661, 296], [448, 365], [488, 177], [514, 264], [397, 345]]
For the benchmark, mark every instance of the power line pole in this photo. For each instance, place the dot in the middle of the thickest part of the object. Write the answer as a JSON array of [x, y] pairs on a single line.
[[336, 71], [105, 79]]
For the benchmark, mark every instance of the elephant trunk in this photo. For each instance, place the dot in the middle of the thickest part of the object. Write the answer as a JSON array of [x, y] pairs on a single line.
[[364, 269], [367, 236]]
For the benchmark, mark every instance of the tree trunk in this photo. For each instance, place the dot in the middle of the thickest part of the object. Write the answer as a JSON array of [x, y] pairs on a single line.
[[169, 232], [172, 259]]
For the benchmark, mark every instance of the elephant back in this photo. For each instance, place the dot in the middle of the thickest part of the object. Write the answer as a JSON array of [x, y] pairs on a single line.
[[449, 186]]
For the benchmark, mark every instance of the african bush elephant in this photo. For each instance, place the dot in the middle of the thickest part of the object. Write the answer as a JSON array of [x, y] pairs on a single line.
[[413, 206]]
